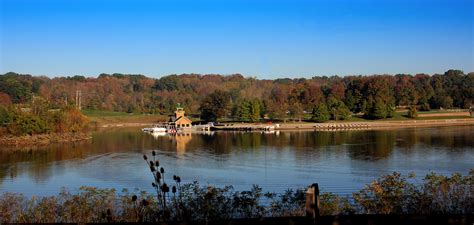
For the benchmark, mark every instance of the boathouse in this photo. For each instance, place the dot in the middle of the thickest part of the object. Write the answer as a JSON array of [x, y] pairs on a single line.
[[179, 120]]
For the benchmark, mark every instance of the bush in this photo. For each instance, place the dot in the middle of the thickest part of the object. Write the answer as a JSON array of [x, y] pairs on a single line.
[[25, 123], [331, 204], [393, 194]]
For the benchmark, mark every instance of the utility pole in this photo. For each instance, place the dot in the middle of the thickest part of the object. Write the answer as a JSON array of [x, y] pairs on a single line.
[[78, 99]]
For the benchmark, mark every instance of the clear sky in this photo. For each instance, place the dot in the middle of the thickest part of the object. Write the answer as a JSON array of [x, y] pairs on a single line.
[[262, 38]]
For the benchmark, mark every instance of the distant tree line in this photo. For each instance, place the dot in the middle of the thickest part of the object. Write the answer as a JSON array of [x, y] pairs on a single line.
[[234, 96]]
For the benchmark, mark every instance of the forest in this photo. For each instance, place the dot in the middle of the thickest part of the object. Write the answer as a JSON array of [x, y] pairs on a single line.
[[214, 96]]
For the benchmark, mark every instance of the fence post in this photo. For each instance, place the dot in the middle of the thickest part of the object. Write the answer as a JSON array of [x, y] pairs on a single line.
[[312, 202]]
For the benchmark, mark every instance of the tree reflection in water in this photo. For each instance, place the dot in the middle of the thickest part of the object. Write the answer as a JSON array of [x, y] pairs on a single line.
[[292, 148]]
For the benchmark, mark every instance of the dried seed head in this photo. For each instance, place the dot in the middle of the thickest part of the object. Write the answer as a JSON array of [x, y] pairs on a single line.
[[151, 163], [173, 189], [162, 170], [152, 168], [153, 184], [153, 153], [174, 177], [158, 175], [144, 202], [134, 198], [145, 158], [165, 188], [157, 163], [178, 179]]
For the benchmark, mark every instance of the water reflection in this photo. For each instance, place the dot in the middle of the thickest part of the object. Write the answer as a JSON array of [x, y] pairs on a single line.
[[371, 145], [347, 157]]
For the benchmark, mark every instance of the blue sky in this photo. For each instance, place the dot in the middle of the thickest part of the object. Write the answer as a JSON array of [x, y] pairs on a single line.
[[262, 38]]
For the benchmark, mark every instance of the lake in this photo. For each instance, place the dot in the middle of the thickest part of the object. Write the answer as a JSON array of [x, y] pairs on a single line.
[[341, 162]]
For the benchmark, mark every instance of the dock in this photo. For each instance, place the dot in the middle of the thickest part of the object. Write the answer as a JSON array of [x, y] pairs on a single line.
[[244, 127], [341, 126]]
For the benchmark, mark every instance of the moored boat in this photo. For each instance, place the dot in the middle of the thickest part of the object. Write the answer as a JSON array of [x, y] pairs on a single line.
[[160, 128]]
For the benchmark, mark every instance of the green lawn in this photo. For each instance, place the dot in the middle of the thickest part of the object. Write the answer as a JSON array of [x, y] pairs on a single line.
[[99, 113], [110, 117], [435, 111], [443, 117]]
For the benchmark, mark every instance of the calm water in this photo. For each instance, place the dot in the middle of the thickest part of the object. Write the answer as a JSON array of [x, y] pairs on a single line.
[[340, 162]]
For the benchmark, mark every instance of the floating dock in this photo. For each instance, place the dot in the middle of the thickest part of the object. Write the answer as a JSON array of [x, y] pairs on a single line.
[[244, 127]]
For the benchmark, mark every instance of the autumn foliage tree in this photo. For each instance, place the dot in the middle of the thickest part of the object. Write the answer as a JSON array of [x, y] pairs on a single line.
[[5, 99], [375, 96], [215, 106]]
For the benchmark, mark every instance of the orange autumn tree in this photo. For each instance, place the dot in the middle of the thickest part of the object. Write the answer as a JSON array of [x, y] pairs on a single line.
[[76, 121], [5, 99], [70, 120]]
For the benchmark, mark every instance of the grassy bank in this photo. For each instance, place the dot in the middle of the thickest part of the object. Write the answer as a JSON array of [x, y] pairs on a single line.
[[109, 118], [403, 116], [122, 119]]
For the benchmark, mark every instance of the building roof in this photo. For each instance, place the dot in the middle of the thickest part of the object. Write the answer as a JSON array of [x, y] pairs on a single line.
[[173, 119], [186, 119]]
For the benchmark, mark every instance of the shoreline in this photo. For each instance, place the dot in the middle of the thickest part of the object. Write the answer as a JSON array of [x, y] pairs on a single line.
[[36, 140], [375, 124], [332, 125]]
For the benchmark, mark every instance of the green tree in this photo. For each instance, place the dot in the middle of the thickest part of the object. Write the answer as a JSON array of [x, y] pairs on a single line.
[[248, 110], [412, 111], [242, 110], [442, 101], [215, 106], [169, 83], [390, 109], [255, 110], [5, 116], [19, 91], [296, 111], [378, 110], [337, 109], [320, 113]]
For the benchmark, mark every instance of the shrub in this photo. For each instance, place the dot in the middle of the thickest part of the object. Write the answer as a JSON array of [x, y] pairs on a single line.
[[25, 123]]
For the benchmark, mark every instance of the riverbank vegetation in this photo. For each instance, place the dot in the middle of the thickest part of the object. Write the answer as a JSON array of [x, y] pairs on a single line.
[[18, 121], [37, 123], [214, 97], [389, 194]]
